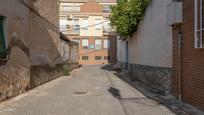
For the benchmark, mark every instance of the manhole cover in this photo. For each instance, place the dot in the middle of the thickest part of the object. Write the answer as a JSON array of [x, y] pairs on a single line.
[[81, 93]]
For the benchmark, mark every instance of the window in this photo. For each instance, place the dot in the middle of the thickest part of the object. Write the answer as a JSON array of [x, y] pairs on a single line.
[[97, 44], [97, 57], [76, 27], [199, 24], [3, 51], [85, 43], [85, 24], [77, 40], [75, 21], [106, 43], [98, 24], [106, 8], [106, 57], [85, 57], [63, 24]]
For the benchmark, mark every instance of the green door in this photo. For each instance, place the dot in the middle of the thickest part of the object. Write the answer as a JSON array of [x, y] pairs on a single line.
[[2, 40]]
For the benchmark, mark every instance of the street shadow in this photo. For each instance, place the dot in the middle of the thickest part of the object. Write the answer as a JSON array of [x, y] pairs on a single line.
[[124, 102], [143, 101], [111, 67], [147, 91], [114, 92], [108, 67], [138, 100], [171, 103]]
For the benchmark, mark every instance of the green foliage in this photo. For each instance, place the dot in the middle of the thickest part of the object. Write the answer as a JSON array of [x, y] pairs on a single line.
[[127, 14], [66, 70]]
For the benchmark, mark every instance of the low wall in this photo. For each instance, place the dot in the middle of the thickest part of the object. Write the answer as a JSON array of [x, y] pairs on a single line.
[[157, 78], [41, 74]]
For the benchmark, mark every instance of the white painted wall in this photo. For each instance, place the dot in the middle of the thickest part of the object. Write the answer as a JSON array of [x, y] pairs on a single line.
[[152, 43], [92, 29]]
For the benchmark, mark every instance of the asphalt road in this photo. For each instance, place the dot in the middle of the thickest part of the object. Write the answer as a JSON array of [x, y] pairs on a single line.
[[89, 90]]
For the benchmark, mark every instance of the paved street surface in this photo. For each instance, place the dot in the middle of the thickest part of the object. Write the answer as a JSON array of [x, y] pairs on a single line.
[[89, 90]]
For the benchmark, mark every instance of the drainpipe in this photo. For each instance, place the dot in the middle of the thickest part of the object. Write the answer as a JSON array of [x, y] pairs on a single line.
[[180, 46], [127, 55]]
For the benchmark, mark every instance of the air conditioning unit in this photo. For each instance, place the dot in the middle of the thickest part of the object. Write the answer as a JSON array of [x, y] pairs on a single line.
[[175, 13]]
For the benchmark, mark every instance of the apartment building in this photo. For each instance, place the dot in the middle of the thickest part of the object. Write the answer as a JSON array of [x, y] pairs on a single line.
[[87, 23]]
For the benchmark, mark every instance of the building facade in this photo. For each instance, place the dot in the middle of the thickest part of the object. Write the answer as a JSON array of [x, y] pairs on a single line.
[[31, 51], [188, 55], [170, 58], [87, 23]]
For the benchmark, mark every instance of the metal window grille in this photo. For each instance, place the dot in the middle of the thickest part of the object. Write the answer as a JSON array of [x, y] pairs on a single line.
[[3, 49], [198, 23], [85, 57], [98, 58]]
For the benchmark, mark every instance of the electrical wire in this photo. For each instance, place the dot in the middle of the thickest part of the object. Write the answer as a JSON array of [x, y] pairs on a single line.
[[88, 26]]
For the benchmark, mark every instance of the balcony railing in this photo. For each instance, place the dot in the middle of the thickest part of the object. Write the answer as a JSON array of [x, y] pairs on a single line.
[[71, 30], [107, 31], [70, 9]]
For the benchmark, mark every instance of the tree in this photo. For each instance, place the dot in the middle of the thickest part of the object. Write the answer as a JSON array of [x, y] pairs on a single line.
[[126, 16]]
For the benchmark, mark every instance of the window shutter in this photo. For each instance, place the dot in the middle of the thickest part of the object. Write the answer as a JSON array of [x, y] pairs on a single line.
[[2, 40]]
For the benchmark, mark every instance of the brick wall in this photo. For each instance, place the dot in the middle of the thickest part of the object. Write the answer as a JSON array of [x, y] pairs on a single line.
[[192, 61], [103, 52], [91, 7]]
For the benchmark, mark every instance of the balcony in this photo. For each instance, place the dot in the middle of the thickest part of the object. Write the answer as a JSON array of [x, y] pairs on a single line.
[[106, 9], [72, 9], [107, 31], [70, 30], [73, 32]]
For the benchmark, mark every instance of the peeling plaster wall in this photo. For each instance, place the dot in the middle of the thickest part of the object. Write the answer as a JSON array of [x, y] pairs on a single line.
[[14, 76], [34, 46]]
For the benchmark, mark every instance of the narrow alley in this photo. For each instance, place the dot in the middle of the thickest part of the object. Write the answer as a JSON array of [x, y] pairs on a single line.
[[89, 90]]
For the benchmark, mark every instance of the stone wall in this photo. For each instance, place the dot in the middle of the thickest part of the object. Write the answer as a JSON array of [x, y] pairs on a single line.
[[41, 74], [157, 78]]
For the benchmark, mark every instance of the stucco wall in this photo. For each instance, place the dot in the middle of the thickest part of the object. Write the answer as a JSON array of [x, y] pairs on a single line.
[[44, 42], [91, 29], [14, 75], [50, 12], [33, 46], [152, 43], [150, 49]]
